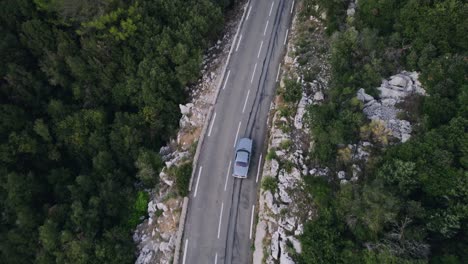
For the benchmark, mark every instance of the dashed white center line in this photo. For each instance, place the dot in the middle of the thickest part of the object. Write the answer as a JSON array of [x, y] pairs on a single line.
[[292, 7], [216, 258], [198, 181], [212, 123], [227, 176], [227, 78], [237, 134], [251, 221], [253, 74], [259, 166], [266, 26], [248, 13], [238, 43], [185, 251], [271, 8], [220, 219], [246, 99], [277, 75], [260, 49], [286, 37]]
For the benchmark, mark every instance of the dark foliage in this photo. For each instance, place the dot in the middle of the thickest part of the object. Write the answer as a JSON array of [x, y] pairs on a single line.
[[89, 91]]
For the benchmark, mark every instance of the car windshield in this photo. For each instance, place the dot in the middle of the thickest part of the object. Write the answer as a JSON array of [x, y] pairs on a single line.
[[241, 163]]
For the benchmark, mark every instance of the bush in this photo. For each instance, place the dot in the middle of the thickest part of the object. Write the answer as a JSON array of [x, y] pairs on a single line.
[[292, 91], [271, 154], [182, 175], [285, 144], [139, 209], [288, 166], [269, 184]]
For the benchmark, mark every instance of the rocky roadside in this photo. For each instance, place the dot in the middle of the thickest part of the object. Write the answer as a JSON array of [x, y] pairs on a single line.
[[156, 236], [284, 204]]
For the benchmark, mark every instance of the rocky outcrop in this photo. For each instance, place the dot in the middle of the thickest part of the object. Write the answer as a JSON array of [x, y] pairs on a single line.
[[384, 108]]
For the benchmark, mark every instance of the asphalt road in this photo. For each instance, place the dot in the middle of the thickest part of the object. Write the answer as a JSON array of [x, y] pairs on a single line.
[[221, 212]]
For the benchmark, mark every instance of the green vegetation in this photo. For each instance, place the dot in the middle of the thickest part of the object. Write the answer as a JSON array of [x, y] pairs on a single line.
[[410, 205], [269, 183], [291, 91], [271, 154], [89, 93], [182, 175], [139, 209]]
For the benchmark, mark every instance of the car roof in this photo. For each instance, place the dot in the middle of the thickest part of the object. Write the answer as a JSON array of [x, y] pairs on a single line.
[[242, 156]]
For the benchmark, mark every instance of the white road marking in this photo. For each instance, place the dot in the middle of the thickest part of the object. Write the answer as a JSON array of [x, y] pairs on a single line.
[[260, 49], [227, 176], [216, 258], [271, 8], [198, 181], [237, 134], [220, 219], [292, 7], [286, 37], [227, 78], [258, 171], [238, 43], [266, 26], [185, 251], [248, 14], [253, 74], [251, 221], [212, 123], [277, 75], [246, 99]]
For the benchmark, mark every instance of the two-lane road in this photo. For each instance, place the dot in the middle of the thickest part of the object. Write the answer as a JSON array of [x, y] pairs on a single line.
[[221, 212]]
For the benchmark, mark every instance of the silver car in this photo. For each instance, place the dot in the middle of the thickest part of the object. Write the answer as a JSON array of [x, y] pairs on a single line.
[[242, 161]]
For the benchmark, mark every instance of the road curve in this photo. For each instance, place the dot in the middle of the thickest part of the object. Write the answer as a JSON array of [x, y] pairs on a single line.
[[221, 211]]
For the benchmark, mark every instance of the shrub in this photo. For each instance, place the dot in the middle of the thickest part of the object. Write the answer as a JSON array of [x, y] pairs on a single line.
[[139, 208], [292, 91], [269, 184], [285, 144], [271, 154], [288, 166], [182, 178]]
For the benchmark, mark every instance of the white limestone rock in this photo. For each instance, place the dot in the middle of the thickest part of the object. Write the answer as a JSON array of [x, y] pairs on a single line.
[[274, 167], [275, 245], [185, 109], [296, 244], [341, 175], [161, 206]]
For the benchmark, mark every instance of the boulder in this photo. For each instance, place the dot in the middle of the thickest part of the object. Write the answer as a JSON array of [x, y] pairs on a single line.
[[300, 230], [152, 207], [298, 119], [274, 167], [161, 206], [318, 96], [275, 245], [184, 110], [341, 175], [363, 96], [296, 244], [268, 196], [283, 194], [398, 81]]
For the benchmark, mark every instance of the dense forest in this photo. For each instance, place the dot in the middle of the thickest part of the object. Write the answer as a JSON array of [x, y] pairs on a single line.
[[411, 204], [89, 92]]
